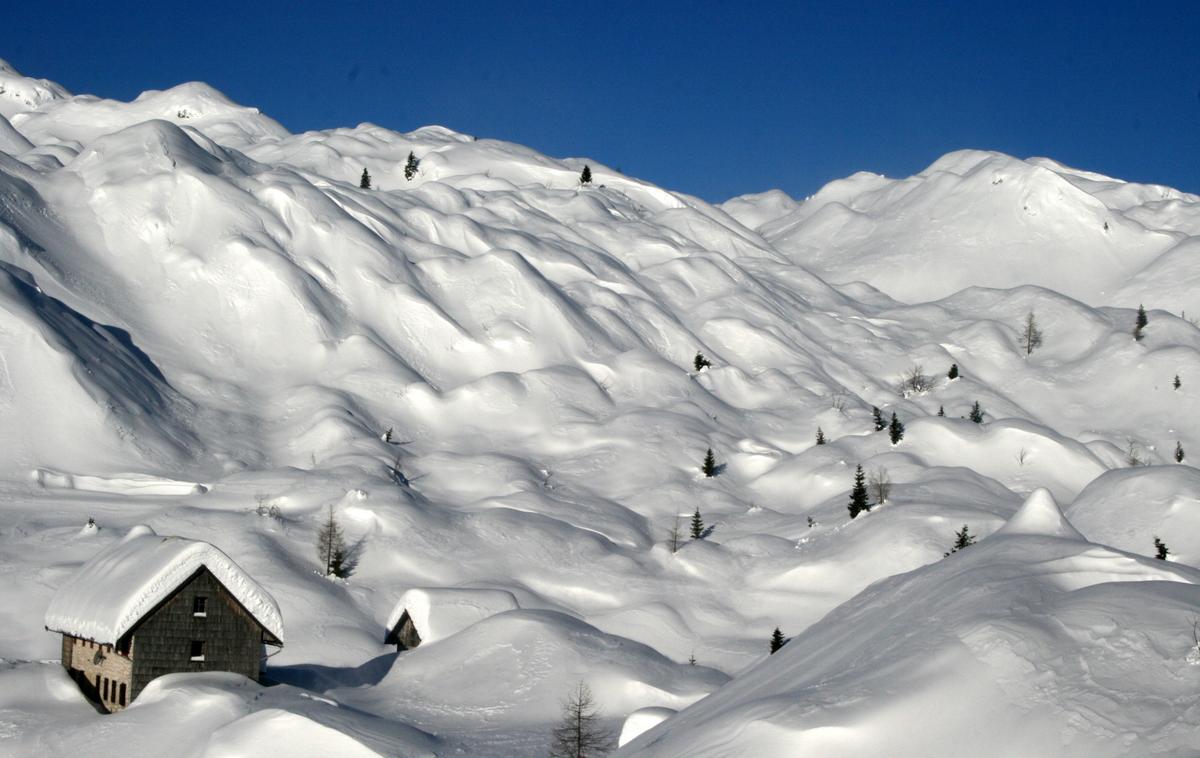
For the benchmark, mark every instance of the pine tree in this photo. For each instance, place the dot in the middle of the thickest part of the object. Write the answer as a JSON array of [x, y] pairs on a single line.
[[878, 418], [710, 464], [1177, 383], [1160, 548], [777, 641], [953, 372], [820, 436], [859, 500], [586, 176], [365, 181], [1179, 452], [700, 362], [976, 413], [962, 540], [896, 430], [331, 546], [1140, 324], [411, 166], [579, 734], [941, 411], [1031, 337], [697, 525]]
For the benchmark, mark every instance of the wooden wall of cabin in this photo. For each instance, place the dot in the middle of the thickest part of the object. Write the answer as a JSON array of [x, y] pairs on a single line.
[[162, 642]]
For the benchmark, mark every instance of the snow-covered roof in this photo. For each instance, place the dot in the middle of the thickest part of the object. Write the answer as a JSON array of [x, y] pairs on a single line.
[[114, 590], [443, 611]]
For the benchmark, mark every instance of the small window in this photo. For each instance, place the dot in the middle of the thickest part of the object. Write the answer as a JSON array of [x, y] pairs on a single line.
[[106, 688], [197, 653], [121, 695], [124, 644], [97, 684], [200, 606]]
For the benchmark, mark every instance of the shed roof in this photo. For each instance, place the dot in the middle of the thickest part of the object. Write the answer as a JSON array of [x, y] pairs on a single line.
[[439, 612], [114, 590]]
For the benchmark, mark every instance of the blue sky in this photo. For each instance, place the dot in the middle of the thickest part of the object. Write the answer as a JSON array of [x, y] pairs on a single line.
[[715, 99]]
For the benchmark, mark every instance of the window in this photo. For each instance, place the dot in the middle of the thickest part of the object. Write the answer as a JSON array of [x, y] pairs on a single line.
[[97, 684], [106, 688], [121, 695], [200, 606], [124, 644], [197, 650]]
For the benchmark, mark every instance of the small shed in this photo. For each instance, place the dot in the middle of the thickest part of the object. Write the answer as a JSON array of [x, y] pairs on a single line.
[[428, 614], [149, 605]]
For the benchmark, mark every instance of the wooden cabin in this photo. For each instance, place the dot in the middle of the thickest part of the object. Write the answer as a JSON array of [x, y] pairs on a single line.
[[149, 605], [428, 614]]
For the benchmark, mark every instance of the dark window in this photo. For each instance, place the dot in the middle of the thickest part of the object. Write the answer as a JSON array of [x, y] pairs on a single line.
[[200, 606], [121, 695], [97, 684], [123, 644], [197, 653], [106, 688]]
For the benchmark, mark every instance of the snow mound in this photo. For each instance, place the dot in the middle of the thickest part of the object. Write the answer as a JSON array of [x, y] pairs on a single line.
[[641, 720], [21, 93], [440, 612], [114, 590], [1040, 515], [1128, 508], [988, 647]]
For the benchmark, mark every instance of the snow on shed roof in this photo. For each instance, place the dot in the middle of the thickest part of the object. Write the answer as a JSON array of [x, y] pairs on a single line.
[[114, 590], [442, 611]]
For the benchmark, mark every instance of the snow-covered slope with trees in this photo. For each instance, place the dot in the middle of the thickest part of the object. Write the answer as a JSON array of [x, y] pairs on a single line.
[[486, 371]]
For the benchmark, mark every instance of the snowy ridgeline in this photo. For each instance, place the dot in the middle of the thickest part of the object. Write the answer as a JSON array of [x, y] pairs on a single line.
[[502, 383]]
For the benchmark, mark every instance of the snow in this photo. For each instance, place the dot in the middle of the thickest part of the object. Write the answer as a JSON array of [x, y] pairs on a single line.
[[440, 612], [114, 590], [206, 326]]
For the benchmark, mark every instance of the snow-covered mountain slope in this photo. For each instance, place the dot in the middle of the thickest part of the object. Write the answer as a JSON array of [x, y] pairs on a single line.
[[207, 326], [977, 218], [973, 651]]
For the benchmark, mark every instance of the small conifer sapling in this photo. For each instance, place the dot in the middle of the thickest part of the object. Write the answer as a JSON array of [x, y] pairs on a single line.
[[820, 436], [1160, 548], [585, 176], [777, 641], [963, 539], [895, 430], [877, 416], [1177, 384], [710, 464], [976, 413], [859, 499], [953, 372], [697, 525], [700, 362], [1140, 324], [1179, 452], [941, 411], [411, 166], [365, 181]]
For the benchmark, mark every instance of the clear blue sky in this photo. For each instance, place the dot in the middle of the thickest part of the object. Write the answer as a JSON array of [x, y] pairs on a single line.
[[715, 99]]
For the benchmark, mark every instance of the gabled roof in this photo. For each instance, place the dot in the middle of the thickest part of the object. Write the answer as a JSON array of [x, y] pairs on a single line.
[[442, 611], [114, 590]]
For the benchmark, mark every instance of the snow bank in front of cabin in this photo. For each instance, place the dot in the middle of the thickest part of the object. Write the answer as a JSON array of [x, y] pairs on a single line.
[[114, 590], [440, 612]]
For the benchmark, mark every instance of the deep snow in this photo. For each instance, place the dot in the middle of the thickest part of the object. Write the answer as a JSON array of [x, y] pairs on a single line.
[[206, 326]]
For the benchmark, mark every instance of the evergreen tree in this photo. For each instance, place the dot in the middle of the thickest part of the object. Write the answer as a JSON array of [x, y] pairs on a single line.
[[586, 176], [878, 417], [1160, 548], [896, 430], [1031, 337], [579, 734], [820, 436], [777, 641], [941, 411], [976, 413], [859, 500], [700, 362], [365, 181], [1140, 324], [1177, 383], [1179, 452], [953, 372], [710, 464], [697, 525], [962, 540], [411, 166], [331, 546]]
